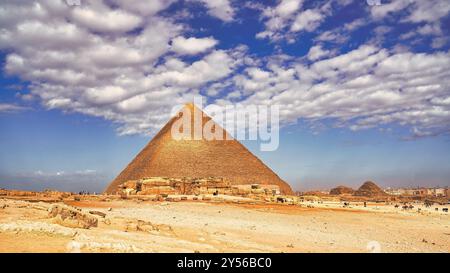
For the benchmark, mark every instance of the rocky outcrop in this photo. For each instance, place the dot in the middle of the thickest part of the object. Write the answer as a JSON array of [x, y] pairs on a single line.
[[35, 226], [20, 193], [55, 194]]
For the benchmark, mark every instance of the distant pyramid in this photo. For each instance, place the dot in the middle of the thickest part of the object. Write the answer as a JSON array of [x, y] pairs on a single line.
[[370, 189], [342, 190], [229, 159]]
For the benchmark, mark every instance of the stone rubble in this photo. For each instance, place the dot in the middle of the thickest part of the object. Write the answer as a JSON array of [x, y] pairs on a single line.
[[71, 217]]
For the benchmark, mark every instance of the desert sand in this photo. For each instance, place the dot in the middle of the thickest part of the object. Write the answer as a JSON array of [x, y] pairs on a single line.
[[200, 226]]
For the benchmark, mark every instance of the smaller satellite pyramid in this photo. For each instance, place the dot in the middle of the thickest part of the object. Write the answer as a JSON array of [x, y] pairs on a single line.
[[227, 159], [340, 190], [369, 189]]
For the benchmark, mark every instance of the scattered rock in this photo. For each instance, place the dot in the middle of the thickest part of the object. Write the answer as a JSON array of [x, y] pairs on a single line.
[[99, 213], [145, 226], [77, 246], [70, 217]]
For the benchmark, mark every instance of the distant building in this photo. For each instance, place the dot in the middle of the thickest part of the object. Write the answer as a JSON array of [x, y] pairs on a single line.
[[397, 192], [437, 192], [418, 192]]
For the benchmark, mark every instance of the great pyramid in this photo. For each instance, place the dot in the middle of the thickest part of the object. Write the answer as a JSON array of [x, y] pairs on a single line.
[[167, 157]]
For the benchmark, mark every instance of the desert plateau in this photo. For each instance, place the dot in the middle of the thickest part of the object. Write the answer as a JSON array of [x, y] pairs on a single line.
[[102, 223]]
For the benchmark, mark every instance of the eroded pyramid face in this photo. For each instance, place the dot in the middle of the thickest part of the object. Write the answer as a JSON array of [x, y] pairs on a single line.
[[198, 157]]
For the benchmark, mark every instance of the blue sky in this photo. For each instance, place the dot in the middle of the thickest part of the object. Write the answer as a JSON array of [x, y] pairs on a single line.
[[364, 91]]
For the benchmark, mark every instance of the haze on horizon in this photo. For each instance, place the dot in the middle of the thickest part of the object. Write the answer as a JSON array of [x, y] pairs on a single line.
[[364, 91]]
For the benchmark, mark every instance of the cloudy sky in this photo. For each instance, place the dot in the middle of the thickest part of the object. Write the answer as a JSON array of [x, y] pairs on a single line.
[[364, 90]]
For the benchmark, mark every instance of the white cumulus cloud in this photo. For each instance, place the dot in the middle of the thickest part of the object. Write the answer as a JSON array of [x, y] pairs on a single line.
[[192, 45], [105, 20], [221, 9]]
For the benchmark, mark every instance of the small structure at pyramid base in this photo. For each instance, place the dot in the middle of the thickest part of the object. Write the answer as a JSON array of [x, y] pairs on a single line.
[[194, 186]]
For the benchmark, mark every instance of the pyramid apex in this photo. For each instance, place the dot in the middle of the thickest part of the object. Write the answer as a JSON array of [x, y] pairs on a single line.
[[190, 105]]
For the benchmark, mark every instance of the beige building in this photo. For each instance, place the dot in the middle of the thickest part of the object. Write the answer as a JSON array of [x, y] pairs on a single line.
[[417, 192], [397, 192], [436, 192]]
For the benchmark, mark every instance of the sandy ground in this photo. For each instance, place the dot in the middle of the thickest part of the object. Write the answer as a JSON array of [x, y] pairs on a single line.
[[191, 226]]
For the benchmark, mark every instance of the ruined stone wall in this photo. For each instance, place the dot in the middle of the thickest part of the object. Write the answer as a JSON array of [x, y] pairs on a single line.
[[193, 186]]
